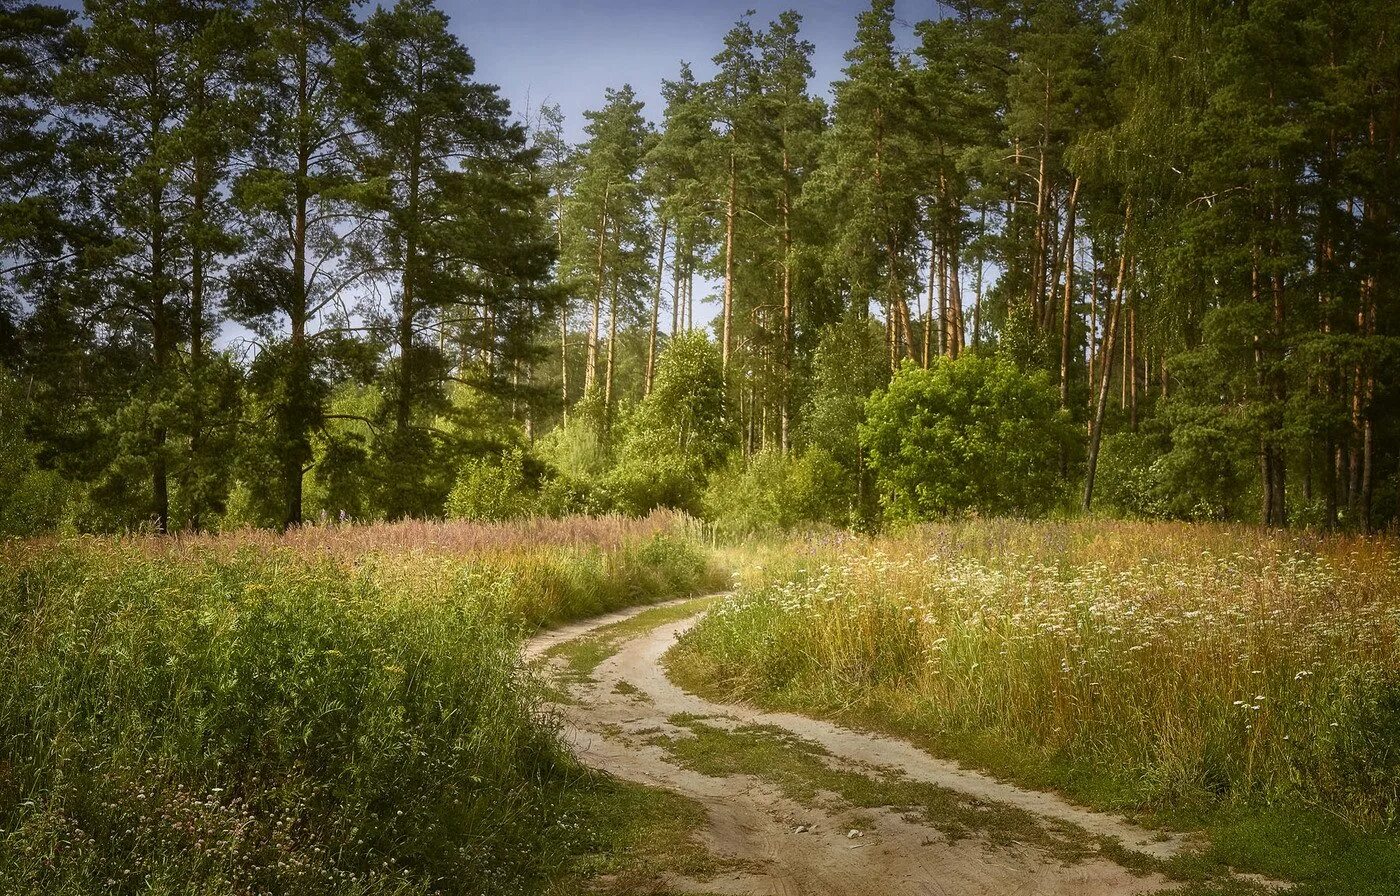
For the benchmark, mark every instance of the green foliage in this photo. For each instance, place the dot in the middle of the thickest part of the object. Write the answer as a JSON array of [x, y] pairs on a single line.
[[1191, 471], [975, 434], [677, 434], [772, 493], [848, 366], [32, 500], [491, 490], [264, 725], [222, 720]]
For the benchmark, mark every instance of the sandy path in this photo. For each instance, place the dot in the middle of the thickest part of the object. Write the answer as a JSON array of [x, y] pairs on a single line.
[[755, 824]]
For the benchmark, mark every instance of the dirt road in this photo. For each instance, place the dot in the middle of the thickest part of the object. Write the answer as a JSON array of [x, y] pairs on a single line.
[[627, 718]]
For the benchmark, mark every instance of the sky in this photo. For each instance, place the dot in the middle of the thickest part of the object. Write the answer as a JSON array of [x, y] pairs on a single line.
[[569, 51]]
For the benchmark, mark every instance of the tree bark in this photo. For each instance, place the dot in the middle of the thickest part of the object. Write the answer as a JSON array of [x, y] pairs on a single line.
[[1132, 366], [730, 213], [160, 337], [656, 309], [785, 386], [612, 343], [1110, 334], [590, 373], [1067, 306], [942, 300], [932, 288]]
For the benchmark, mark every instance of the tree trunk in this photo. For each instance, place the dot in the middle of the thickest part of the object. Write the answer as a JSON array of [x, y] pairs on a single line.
[[160, 336], [957, 334], [1132, 366], [612, 343], [676, 315], [785, 386], [656, 309], [730, 212], [1110, 334], [1093, 340], [932, 288], [407, 309], [590, 373], [299, 370], [195, 497], [1041, 237], [942, 300], [1067, 306], [563, 310], [977, 294]]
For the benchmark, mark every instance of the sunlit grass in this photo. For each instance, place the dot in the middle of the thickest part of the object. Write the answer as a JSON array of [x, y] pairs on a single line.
[[300, 714], [1146, 666]]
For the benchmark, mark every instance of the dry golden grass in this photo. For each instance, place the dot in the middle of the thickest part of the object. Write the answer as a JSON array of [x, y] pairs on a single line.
[[1141, 664]]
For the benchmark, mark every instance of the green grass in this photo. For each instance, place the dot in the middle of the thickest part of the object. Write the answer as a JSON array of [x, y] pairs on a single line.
[[622, 837], [802, 771], [225, 719], [1221, 679]]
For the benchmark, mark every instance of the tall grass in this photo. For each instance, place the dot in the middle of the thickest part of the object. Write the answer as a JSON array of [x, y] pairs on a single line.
[[1134, 664], [289, 716]]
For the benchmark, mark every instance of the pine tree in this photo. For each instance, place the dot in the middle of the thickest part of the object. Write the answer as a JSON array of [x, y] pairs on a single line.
[[557, 175], [796, 123], [607, 240], [868, 180], [142, 60], [679, 162], [294, 282], [457, 229], [34, 45], [733, 159]]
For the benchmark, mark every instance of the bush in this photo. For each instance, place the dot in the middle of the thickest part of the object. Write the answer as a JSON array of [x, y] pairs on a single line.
[[491, 492], [772, 492], [677, 434], [296, 715], [973, 434], [1126, 481], [1186, 466], [31, 500]]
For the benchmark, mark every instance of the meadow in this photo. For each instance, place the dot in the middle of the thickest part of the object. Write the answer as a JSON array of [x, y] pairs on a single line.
[[339, 710], [1181, 673]]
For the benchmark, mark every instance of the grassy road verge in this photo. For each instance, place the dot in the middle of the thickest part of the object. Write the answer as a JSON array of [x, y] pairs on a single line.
[[1196, 677], [288, 717]]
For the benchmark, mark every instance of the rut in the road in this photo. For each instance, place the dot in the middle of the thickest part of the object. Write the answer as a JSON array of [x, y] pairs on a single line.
[[787, 847]]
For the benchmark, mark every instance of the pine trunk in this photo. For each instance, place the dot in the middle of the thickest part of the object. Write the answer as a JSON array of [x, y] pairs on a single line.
[[730, 213], [656, 309], [590, 372], [1105, 375], [1067, 306], [612, 343]]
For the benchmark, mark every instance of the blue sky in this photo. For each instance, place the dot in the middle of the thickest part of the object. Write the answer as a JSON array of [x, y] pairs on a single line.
[[569, 51]]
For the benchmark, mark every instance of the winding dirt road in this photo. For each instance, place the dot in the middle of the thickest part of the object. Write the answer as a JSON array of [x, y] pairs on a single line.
[[622, 716]]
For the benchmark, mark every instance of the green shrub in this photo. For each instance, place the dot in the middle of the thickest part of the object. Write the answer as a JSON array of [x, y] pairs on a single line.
[[31, 500], [233, 720], [490, 491], [1126, 481], [676, 435], [973, 434], [771, 492], [1186, 466]]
